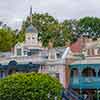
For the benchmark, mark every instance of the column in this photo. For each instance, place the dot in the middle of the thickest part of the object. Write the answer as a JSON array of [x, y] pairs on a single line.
[[4, 74], [79, 74], [22, 51], [62, 76], [15, 51], [97, 70]]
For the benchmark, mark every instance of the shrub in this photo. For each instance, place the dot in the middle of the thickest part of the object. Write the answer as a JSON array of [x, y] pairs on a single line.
[[30, 86]]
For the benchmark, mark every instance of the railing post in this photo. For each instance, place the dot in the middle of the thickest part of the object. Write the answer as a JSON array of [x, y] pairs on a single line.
[[97, 72], [79, 71]]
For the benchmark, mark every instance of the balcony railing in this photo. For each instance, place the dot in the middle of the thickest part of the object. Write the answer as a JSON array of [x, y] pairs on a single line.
[[85, 82]]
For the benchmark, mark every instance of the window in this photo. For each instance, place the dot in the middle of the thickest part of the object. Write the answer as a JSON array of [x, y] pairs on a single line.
[[74, 72], [33, 38], [25, 53], [99, 73], [57, 75], [19, 52], [52, 54], [98, 51], [88, 72], [2, 74]]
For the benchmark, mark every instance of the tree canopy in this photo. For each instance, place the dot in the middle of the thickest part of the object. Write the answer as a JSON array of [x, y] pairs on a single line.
[[49, 29], [30, 86], [7, 39], [89, 26]]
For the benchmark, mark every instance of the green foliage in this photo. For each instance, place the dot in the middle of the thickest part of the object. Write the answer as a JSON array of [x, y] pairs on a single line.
[[49, 29], [20, 37], [54, 34], [89, 26], [71, 25], [7, 39], [30, 86]]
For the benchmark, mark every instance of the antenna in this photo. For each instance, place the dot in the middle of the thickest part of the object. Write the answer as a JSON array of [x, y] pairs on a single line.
[[31, 14]]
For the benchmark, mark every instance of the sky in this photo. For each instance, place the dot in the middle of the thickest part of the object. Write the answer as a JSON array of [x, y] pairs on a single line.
[[13, 12]]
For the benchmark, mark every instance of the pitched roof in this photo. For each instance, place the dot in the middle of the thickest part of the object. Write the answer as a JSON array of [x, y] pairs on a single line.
[[31, 29], [76, 47]]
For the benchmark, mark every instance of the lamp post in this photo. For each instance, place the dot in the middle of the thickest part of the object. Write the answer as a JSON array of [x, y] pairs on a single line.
[[48, 96], [55, 98]]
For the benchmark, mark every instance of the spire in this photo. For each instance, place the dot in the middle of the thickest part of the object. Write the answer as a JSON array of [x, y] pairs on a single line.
[[31, 14]]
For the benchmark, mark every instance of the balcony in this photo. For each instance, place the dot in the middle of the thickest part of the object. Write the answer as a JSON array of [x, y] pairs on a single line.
[[85, 82]]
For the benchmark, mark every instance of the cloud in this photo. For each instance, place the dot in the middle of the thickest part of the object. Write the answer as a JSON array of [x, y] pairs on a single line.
[[14, 11]]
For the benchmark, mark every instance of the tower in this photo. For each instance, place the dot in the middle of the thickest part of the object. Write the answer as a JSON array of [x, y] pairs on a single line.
[[31, 14], [31, 36]]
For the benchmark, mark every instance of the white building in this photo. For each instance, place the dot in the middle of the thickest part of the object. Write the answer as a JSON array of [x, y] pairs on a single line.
[[52, 60]]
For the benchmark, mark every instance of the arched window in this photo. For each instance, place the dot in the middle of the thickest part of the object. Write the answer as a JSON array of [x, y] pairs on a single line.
[[99, 73], [87, 72], [12, 71], [2, 73], [74, 72]]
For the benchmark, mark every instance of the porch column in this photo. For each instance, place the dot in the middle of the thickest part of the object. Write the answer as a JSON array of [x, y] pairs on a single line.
[[80, 75], [96, 69], [15, 51], [22, 51], [62, 77]]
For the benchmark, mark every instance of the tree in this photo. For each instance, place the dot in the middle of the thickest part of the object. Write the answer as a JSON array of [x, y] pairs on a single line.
[[7, 39], [53, 34], [89, 26], [71, 25], [40, 21], [30, 86], [72, 28], [69, 28], [20, 36], [49, 29]]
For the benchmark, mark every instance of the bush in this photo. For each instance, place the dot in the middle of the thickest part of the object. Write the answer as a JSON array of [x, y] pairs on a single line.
[[30, 86]]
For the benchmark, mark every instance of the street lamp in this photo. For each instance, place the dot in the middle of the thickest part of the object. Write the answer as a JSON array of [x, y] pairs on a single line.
[[55, 98], [48, 96]]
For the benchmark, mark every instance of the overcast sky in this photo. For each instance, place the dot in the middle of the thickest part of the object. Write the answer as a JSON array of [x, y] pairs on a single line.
[[14, 11]]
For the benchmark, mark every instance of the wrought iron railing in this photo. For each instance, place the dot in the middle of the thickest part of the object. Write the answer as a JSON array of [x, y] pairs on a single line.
[[85, 82]]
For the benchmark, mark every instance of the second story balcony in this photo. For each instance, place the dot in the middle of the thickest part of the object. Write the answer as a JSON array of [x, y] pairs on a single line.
[[85, 76], [85, 82]]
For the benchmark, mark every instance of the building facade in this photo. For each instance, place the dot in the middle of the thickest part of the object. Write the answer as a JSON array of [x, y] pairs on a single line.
[[85, 73], [30, 56]]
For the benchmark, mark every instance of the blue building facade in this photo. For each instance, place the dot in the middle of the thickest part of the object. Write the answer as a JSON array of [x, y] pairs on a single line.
[[85, 77], [14, 67]]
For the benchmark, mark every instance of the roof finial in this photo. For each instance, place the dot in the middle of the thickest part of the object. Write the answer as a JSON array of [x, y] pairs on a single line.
[[31, 14]]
